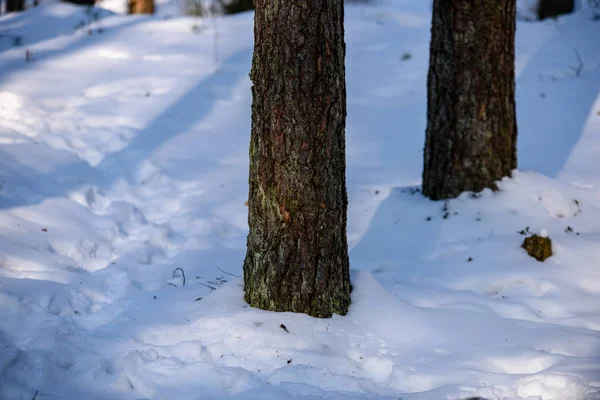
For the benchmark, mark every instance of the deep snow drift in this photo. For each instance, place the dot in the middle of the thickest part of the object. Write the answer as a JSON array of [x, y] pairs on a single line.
[[123, 155]]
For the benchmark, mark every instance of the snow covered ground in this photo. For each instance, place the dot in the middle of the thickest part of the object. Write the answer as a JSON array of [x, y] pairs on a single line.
[[123, 155]]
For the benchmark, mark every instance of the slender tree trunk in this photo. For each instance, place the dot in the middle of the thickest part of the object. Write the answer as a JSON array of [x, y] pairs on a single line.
[[141, 6], [471, 125], [15, 5], [297, 254]]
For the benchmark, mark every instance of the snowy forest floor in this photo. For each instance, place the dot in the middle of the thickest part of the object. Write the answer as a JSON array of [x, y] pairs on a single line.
[[124, 155]]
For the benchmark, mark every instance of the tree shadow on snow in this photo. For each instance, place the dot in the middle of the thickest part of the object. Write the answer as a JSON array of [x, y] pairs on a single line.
[[27, 42], [553, 101], [404, 229], [178, 118]]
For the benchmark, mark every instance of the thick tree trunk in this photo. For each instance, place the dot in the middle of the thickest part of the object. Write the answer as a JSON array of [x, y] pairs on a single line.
[[15, 5], [471, 125], [141, 6], [297, 254]]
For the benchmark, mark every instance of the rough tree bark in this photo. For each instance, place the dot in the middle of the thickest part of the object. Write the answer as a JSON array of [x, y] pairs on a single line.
[[15, 5], [297, 253], [141, 6], [471, 122]]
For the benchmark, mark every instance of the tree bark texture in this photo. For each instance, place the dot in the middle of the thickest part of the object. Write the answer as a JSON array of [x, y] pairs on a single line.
[[15, 5], [141, 6], [297, 252], [471, 121]]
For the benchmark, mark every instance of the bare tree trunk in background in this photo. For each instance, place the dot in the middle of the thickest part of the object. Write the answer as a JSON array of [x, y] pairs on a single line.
[[553, 8], [471, 133], [237, 6], [297, 252], [15, 5], [82, 2], [78, 2], [141, 6]]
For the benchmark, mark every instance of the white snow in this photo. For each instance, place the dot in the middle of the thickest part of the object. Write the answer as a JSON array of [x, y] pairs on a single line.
[[123, 156]]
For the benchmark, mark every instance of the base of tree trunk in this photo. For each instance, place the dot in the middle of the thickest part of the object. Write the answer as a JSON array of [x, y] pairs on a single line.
[[471, 132], [297, 251]]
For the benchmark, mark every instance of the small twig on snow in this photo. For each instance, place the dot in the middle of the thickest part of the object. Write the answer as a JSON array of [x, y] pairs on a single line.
[[228, 273], [208, 286], [579, 68]]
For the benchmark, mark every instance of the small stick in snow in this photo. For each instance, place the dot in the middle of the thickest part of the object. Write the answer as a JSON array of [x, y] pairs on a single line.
[[228, 273], [579, 68], [35, 395], [208, 286]]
